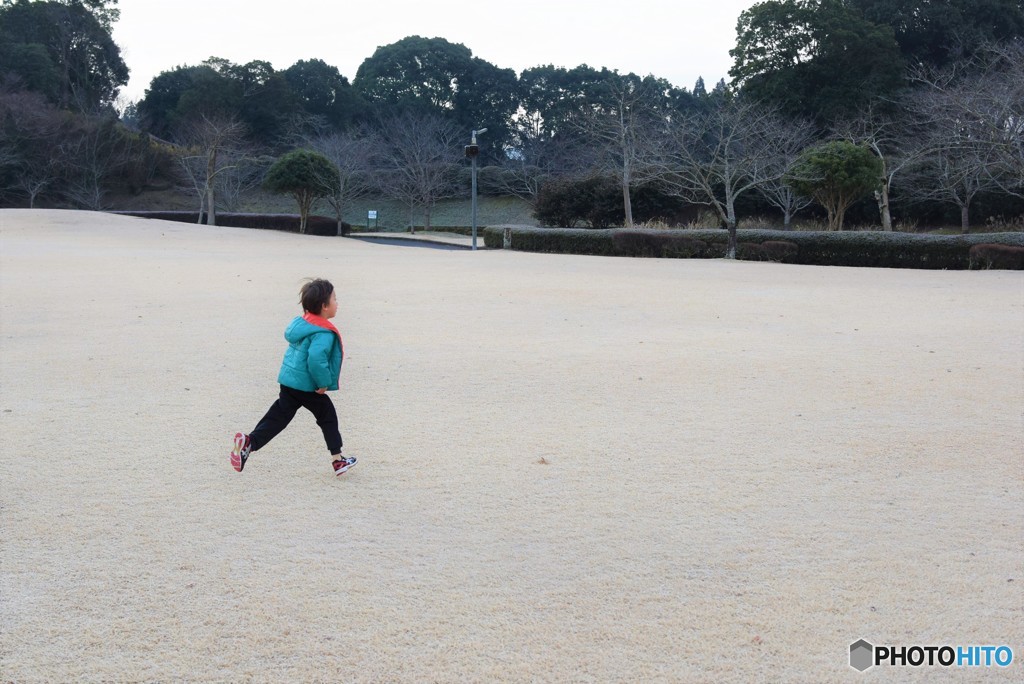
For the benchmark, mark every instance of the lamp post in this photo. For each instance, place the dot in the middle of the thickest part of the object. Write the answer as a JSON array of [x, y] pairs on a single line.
[[472, 150]]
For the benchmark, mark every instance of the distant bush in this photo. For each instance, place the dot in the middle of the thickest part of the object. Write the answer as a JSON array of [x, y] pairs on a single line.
[[990, 255], [597, 202], [316, 225], [568, 203], [878, 249], [780, 250]]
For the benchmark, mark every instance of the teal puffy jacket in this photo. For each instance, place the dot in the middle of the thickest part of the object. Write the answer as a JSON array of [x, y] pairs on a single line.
[[313, 359]]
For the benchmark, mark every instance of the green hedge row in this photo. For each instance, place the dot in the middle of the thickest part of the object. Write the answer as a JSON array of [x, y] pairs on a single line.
[[878, 249], [315, 225]]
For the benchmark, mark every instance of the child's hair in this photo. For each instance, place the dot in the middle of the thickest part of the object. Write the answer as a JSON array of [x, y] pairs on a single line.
[[315, 295]]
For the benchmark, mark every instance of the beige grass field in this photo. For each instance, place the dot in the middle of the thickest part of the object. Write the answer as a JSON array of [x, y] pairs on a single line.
[[571, 469]]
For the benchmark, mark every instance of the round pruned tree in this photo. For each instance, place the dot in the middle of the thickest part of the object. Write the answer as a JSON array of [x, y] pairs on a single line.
[[836, 174], [305, 175]]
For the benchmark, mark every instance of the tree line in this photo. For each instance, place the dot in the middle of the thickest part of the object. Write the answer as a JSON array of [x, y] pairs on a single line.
[[918, 102]]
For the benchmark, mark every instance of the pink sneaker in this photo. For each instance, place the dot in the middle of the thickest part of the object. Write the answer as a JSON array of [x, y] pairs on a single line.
[[240, 453], [343, 464]]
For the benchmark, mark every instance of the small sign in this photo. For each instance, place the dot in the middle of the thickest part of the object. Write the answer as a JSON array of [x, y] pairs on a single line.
[[372, 214]]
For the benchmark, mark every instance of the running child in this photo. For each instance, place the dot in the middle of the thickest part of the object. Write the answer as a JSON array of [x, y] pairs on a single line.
[[311, 367]]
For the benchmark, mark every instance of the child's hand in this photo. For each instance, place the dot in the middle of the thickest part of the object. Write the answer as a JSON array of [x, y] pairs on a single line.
[[322, 390]]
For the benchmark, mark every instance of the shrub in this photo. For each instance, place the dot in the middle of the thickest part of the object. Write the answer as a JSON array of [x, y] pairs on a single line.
[[657, 243], [653, 205], [989, 255], [567, 203], [751, 251], [780, 250]]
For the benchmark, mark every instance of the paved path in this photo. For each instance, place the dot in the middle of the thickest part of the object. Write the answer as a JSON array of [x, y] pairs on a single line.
[[436, 237]]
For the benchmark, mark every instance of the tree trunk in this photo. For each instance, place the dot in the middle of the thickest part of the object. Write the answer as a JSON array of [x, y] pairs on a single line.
[[211, 169], [835, 219], [882, 197], [730, 252], [787, 219], [965, 221], [202, 207], [627, 205], [882, 194], [305, 202], [426, 218], [730, 223], [338, 205]]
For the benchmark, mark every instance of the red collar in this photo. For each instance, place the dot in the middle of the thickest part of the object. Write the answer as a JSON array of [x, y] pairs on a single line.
[[320, 322]]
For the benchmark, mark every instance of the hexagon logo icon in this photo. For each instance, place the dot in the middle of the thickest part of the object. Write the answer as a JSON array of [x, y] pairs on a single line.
[[861, 655]]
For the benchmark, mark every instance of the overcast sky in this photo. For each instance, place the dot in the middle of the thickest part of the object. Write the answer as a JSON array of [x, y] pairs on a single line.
[[674, 39]]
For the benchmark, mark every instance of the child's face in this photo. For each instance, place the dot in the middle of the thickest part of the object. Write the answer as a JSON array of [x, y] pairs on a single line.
[[331, 308]]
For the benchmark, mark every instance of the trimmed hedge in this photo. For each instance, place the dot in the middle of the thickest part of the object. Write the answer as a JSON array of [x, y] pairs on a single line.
[[558, 240], [782, 251], [662, 243], [315, 225], [877, 249], [991, 255]]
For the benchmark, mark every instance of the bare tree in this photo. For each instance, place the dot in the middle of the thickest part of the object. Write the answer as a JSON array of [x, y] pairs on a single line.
[[8, 151], [33, 179], [522, 170], [715, 156], [536, 157], [999, 103], [90, 156], [896, 144], [31, 131], [419, 161], [192, 169], [243, 171], [955, 170], [966, 135], [620, 131], [793, 137], [211, 148], [353, 154]]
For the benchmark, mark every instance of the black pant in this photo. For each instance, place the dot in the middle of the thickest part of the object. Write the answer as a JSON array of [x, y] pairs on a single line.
[[284, 409]]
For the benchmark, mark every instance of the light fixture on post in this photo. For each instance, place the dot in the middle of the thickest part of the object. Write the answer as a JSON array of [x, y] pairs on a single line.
[[472, 151]]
